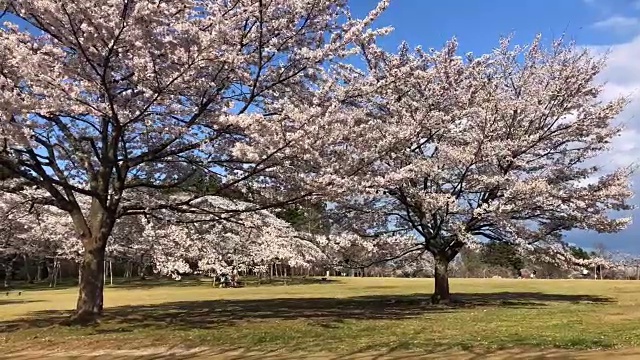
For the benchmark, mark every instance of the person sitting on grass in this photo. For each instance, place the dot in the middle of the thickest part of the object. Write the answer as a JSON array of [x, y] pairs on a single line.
[[224, 280]]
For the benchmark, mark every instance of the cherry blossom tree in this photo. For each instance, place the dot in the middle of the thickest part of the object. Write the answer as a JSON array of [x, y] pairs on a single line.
[[628, 265], [246, 241], [346, 251], [13, 227], [31, 230], [108, 97], [498, 147]]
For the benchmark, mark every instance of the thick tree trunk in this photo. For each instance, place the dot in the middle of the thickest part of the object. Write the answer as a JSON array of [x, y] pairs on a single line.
[[441, 292], [90, 298]]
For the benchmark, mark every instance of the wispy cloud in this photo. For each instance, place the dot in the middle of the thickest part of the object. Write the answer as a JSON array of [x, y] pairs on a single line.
[[601, 6], [620, 24], [610, 7]]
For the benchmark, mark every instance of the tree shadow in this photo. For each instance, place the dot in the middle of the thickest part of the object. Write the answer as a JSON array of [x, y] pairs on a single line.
[[16, 302], [39, 286], [244, 354], [155, 282], [325, 312]]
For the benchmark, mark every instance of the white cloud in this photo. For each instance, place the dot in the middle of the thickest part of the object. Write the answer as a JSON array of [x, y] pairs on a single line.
[[622, 78], [622, 73], [620, 24]]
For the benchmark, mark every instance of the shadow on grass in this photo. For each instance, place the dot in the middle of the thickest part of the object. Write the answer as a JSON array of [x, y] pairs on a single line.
[[243, 354], [135, 283], [16, 301], [327, 312]]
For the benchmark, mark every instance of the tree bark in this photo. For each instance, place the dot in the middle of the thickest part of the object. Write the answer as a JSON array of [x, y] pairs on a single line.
[[27, 268], [51, 271], [441, 292], [8, 268], [90, 297], [56, 272], [38, 271]]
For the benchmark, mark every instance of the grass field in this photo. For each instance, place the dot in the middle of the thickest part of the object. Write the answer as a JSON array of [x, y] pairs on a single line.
[[346, 316]]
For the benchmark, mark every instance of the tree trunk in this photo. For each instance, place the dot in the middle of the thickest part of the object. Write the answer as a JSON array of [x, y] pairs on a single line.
[[56, 272], [90, 297], [8, 268], [39, 271], [141, 268], [27, 269], [50, 273], [59, 267], [441, 292]]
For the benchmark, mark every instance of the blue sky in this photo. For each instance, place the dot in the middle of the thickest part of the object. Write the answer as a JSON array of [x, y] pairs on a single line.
[[602, 25], [478, 24]]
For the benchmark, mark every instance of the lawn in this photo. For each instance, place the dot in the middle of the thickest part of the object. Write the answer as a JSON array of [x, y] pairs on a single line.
[[346, 316]]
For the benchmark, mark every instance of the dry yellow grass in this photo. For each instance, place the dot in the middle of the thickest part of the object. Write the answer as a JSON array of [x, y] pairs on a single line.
[[350, 316]]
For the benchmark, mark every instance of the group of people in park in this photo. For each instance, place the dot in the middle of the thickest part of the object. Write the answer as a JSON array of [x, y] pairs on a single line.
[[229, 280]]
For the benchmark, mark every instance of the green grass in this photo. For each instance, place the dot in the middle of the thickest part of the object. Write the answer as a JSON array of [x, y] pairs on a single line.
[[350, 315]]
